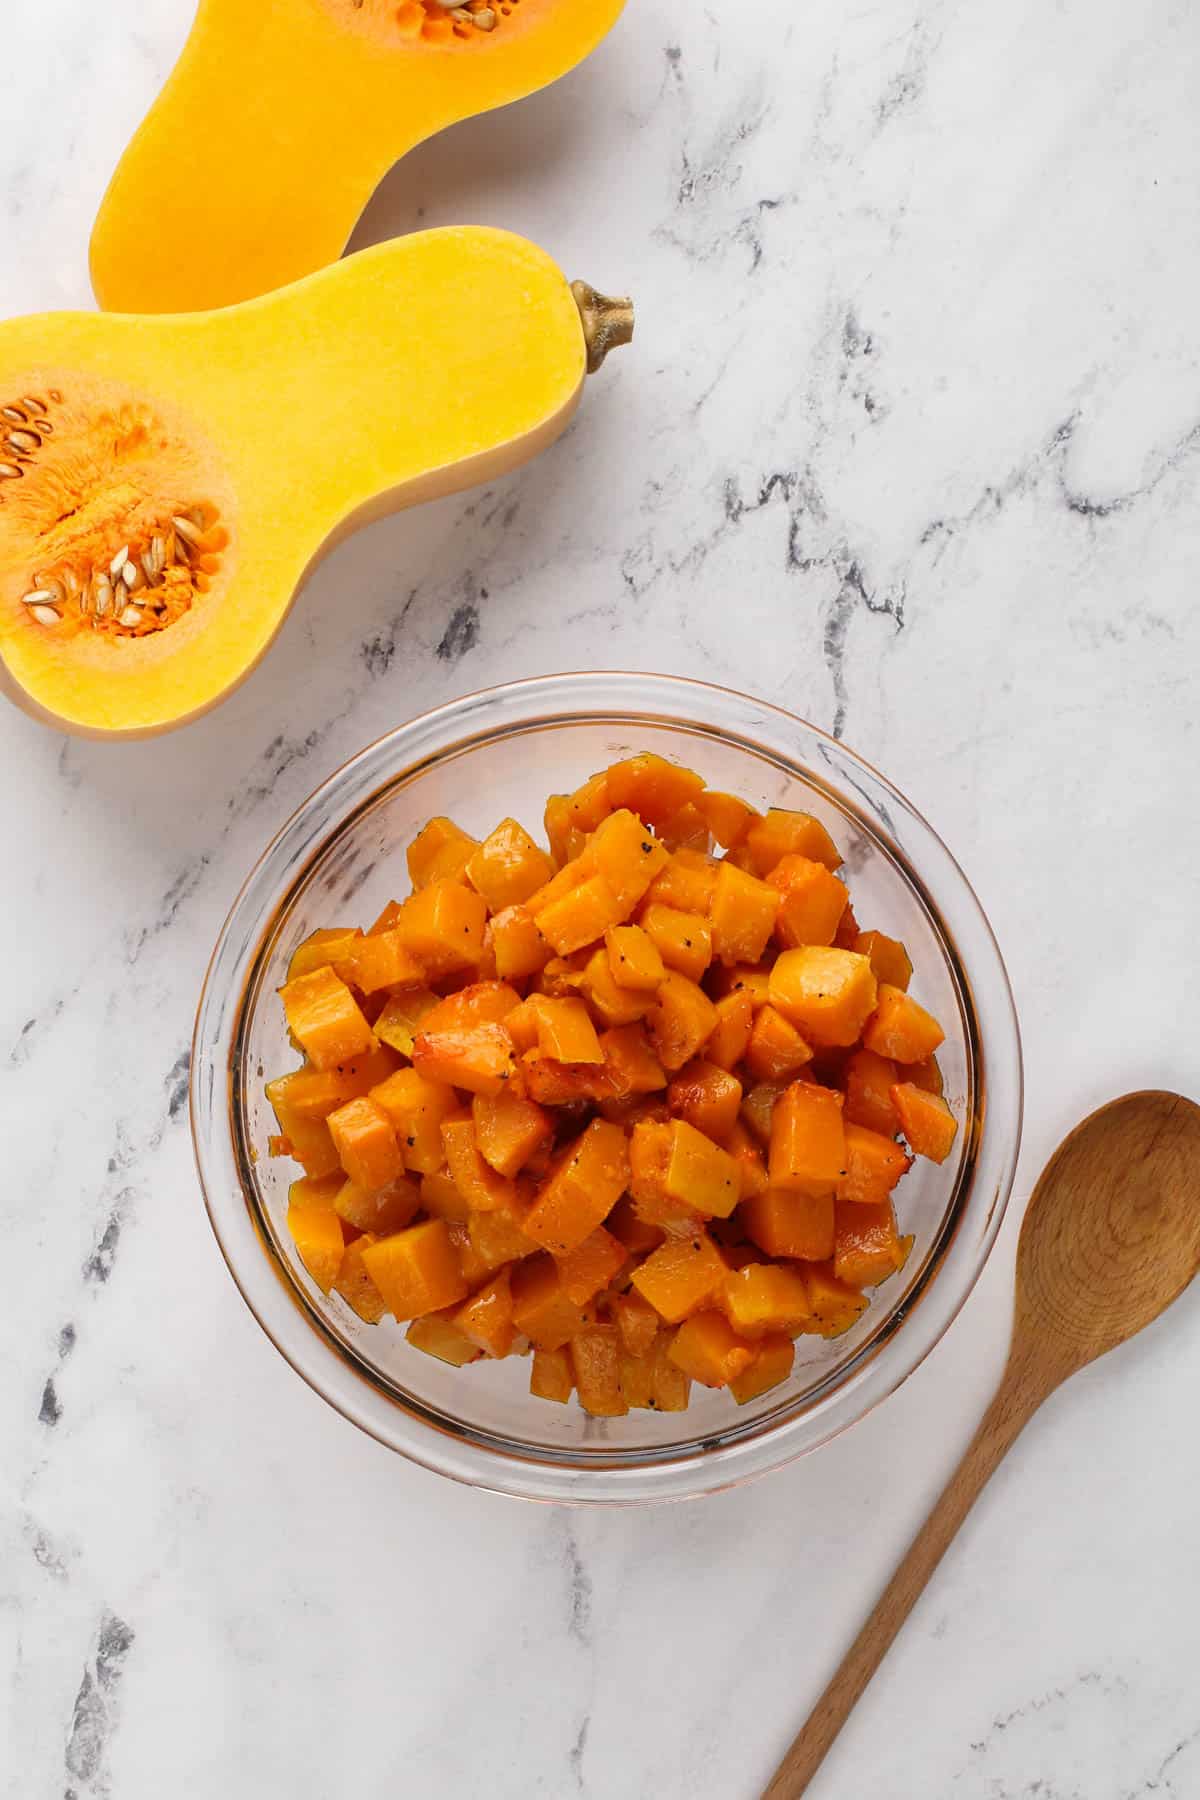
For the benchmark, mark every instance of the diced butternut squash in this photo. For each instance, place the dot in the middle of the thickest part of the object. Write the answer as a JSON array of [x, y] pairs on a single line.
[[728, 818], [630, 1064], [379, 1211], [869, 1079], [637, 1322], [315, 1093], [686, 829], [773, 1360], [486, 1319], [792, 1223], [581, 916], [591, 803], [508, 866], [925, 1120], [478, 1183], [867, 1246], [901, 1029], [610, 1004], [683, 940], [758, 1107], [776, 1051], [325, 1019], [365, 1140], [707, 1096], [439, 852], [551, 1376], [887, 956], [307, 1140], [637, 1378], [564, 838], [416, 1107], [827, 994], [542, 1310], [808, 1138], [681, 1020], [672, 1388], [552, 1083], [873, 1166], [583, 1189], [633, 959], [479, 1003], [763, 1297], [381, 961], [687, 882], [437, 1335], [479, 1058], [355, 1285], [565, 1031], [699, 1174], [584, 1271], [812, 902], [925, 1074], [742, 911], [441, 1199], [509, 1129], [498, 1237], [401, 1019], [652, 787], [442, 925], [681, 1276], [708, 1350], [416, 1270], [752, 1166], [626, 857], [317, 1234], [834, 1303], [516, 943], [596, 1365], [781, 833], [321, 949], [638, 1235], [730, 1035]]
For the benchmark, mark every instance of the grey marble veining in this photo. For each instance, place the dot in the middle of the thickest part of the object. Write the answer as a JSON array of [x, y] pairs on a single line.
[[908, 442]]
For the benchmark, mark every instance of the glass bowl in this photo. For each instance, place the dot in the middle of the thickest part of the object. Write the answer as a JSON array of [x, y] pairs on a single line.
[[340, 858]]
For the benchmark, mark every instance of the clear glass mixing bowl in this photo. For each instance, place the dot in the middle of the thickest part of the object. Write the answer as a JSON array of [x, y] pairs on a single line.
[[340, 858]]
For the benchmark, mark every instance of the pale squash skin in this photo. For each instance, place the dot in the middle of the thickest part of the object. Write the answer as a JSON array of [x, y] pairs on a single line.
[[277, 125], [352, 394]]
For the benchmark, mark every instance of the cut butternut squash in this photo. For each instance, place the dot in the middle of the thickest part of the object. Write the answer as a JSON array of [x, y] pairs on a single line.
[[166, 483], [279, 121]]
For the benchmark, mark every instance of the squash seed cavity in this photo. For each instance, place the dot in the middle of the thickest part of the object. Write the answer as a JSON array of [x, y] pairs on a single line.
[[84, 512], [429, 21]]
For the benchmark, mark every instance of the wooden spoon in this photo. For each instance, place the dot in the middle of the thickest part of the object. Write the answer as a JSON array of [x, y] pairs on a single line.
[[1111, 1238]]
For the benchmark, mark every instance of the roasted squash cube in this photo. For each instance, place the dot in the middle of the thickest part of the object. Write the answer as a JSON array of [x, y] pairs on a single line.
[[808, 1137], [681, 1020], [743, 912], [708, 1350], [781, 833], [772, 1364], [637, 1322], [439, 852], [417, 1270], [792, 1223], [633, 959], [596, 1364], [925, 1120], [728, 818], [516, 943], [869, 1079], [509, 1129], [584, 1271], [687, 883], [401, 1019], [707, 1096], [542, 1310], [812, 902], [442, 925], [901, 1029], [365, 1140], [508, 866], [437, 1335], [873, 1166], [887, 957], [763, 1297], [478, 1183], [652, 787], [550, 1375], [827, 994], [479, 1058], [355, 1285], [486, 1318], [416, 1107], [681, 1276], [321, 949], [581, 916], [867, 1246], [565, 1031], [630, 1064], [580, 1194], [381, 961], [325, 1019], [699, 1174], [835, 1304], [683, 940], [379, 1211], [776, 1051], [727, 1042], [612, 1005], [317, 1234], [623, 853]]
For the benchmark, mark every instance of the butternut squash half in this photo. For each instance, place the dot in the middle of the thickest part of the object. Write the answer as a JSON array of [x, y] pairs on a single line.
[[166, 482], [282, 116]]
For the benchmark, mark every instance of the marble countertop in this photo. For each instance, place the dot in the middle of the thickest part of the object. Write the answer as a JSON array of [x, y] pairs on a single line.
[[909, 443]]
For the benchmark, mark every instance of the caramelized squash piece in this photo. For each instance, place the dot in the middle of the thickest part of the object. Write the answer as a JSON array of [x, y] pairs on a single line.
[[901, 1028], [325, 1019], [416, 1270], [925, 1120], [772, 1364]]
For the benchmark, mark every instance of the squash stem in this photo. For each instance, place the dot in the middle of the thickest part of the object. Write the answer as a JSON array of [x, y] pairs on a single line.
[[607, 323]]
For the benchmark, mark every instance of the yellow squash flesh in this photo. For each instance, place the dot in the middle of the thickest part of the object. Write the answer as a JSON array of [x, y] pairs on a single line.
[[288, 421], [280, 119]]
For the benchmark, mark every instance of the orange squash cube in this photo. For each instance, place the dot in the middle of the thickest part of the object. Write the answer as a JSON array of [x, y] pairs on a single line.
[[486, 1318], [835, 1304], [776, 1051], [742, 978], [439, 852], [321, 949], [591, 803], [650, 1145], [478, 1183], [441, 1199], [416, 1108], [687, 882], [565, 1031], [379, 1211], [887, 956], [553, 1083], [581, 916], [812, 902], [580, 1194], [355, 1285], [869, 1080], [612, 1005], [752, 1167], [417, 1270], [708, 1350], [772, 1364], [400, 1021], [638, 1235], [325, 1019], [571, 876], [728, 818], [633, 959], [550, 1375], [315, 1093], [743, 912], [637, 1379], [564, 838], [808, 1138], [442, 925], [479, 1003], [630, 1065], [591, 1265], [636, 1321], [365, 1140], [681, 1020], [686, 830], [317, 1234], [827, 994], [790, 1222], [707, 1096], [683, 940], [781, 833], [508, 866], [701, 1176], [307, 1140], [672, 1388], [901, 1029], [728, 1040], [516, 943], [622, 852], [925, 1120], [652, 787], [681, 1276], [867, 1247], [596, 1365], [874, 1164], [925, 1074], [763, 1297], [542, 1311], [380, 961], [509, 1129], [479, 1058], [437, 1335], [758, 1107]]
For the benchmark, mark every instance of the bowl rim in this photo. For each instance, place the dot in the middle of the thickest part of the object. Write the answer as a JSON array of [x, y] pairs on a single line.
[[474, 1456]]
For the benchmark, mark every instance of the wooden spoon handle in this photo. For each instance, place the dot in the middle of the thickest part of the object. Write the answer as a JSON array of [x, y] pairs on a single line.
[[1015, 1402]]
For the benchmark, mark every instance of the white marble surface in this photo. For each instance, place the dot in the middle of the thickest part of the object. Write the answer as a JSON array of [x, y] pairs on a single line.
[[909, 442]]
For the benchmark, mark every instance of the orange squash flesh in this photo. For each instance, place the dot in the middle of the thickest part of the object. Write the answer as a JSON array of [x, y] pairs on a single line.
[[650, 1168], [279, 121], [245, 443]]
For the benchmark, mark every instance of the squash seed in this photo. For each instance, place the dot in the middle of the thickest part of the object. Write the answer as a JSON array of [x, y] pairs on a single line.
[[24, 440], [45, 615], [15, 414], [39, 597], [132, 615], [9, 472], [191, 534], [118, 562]]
